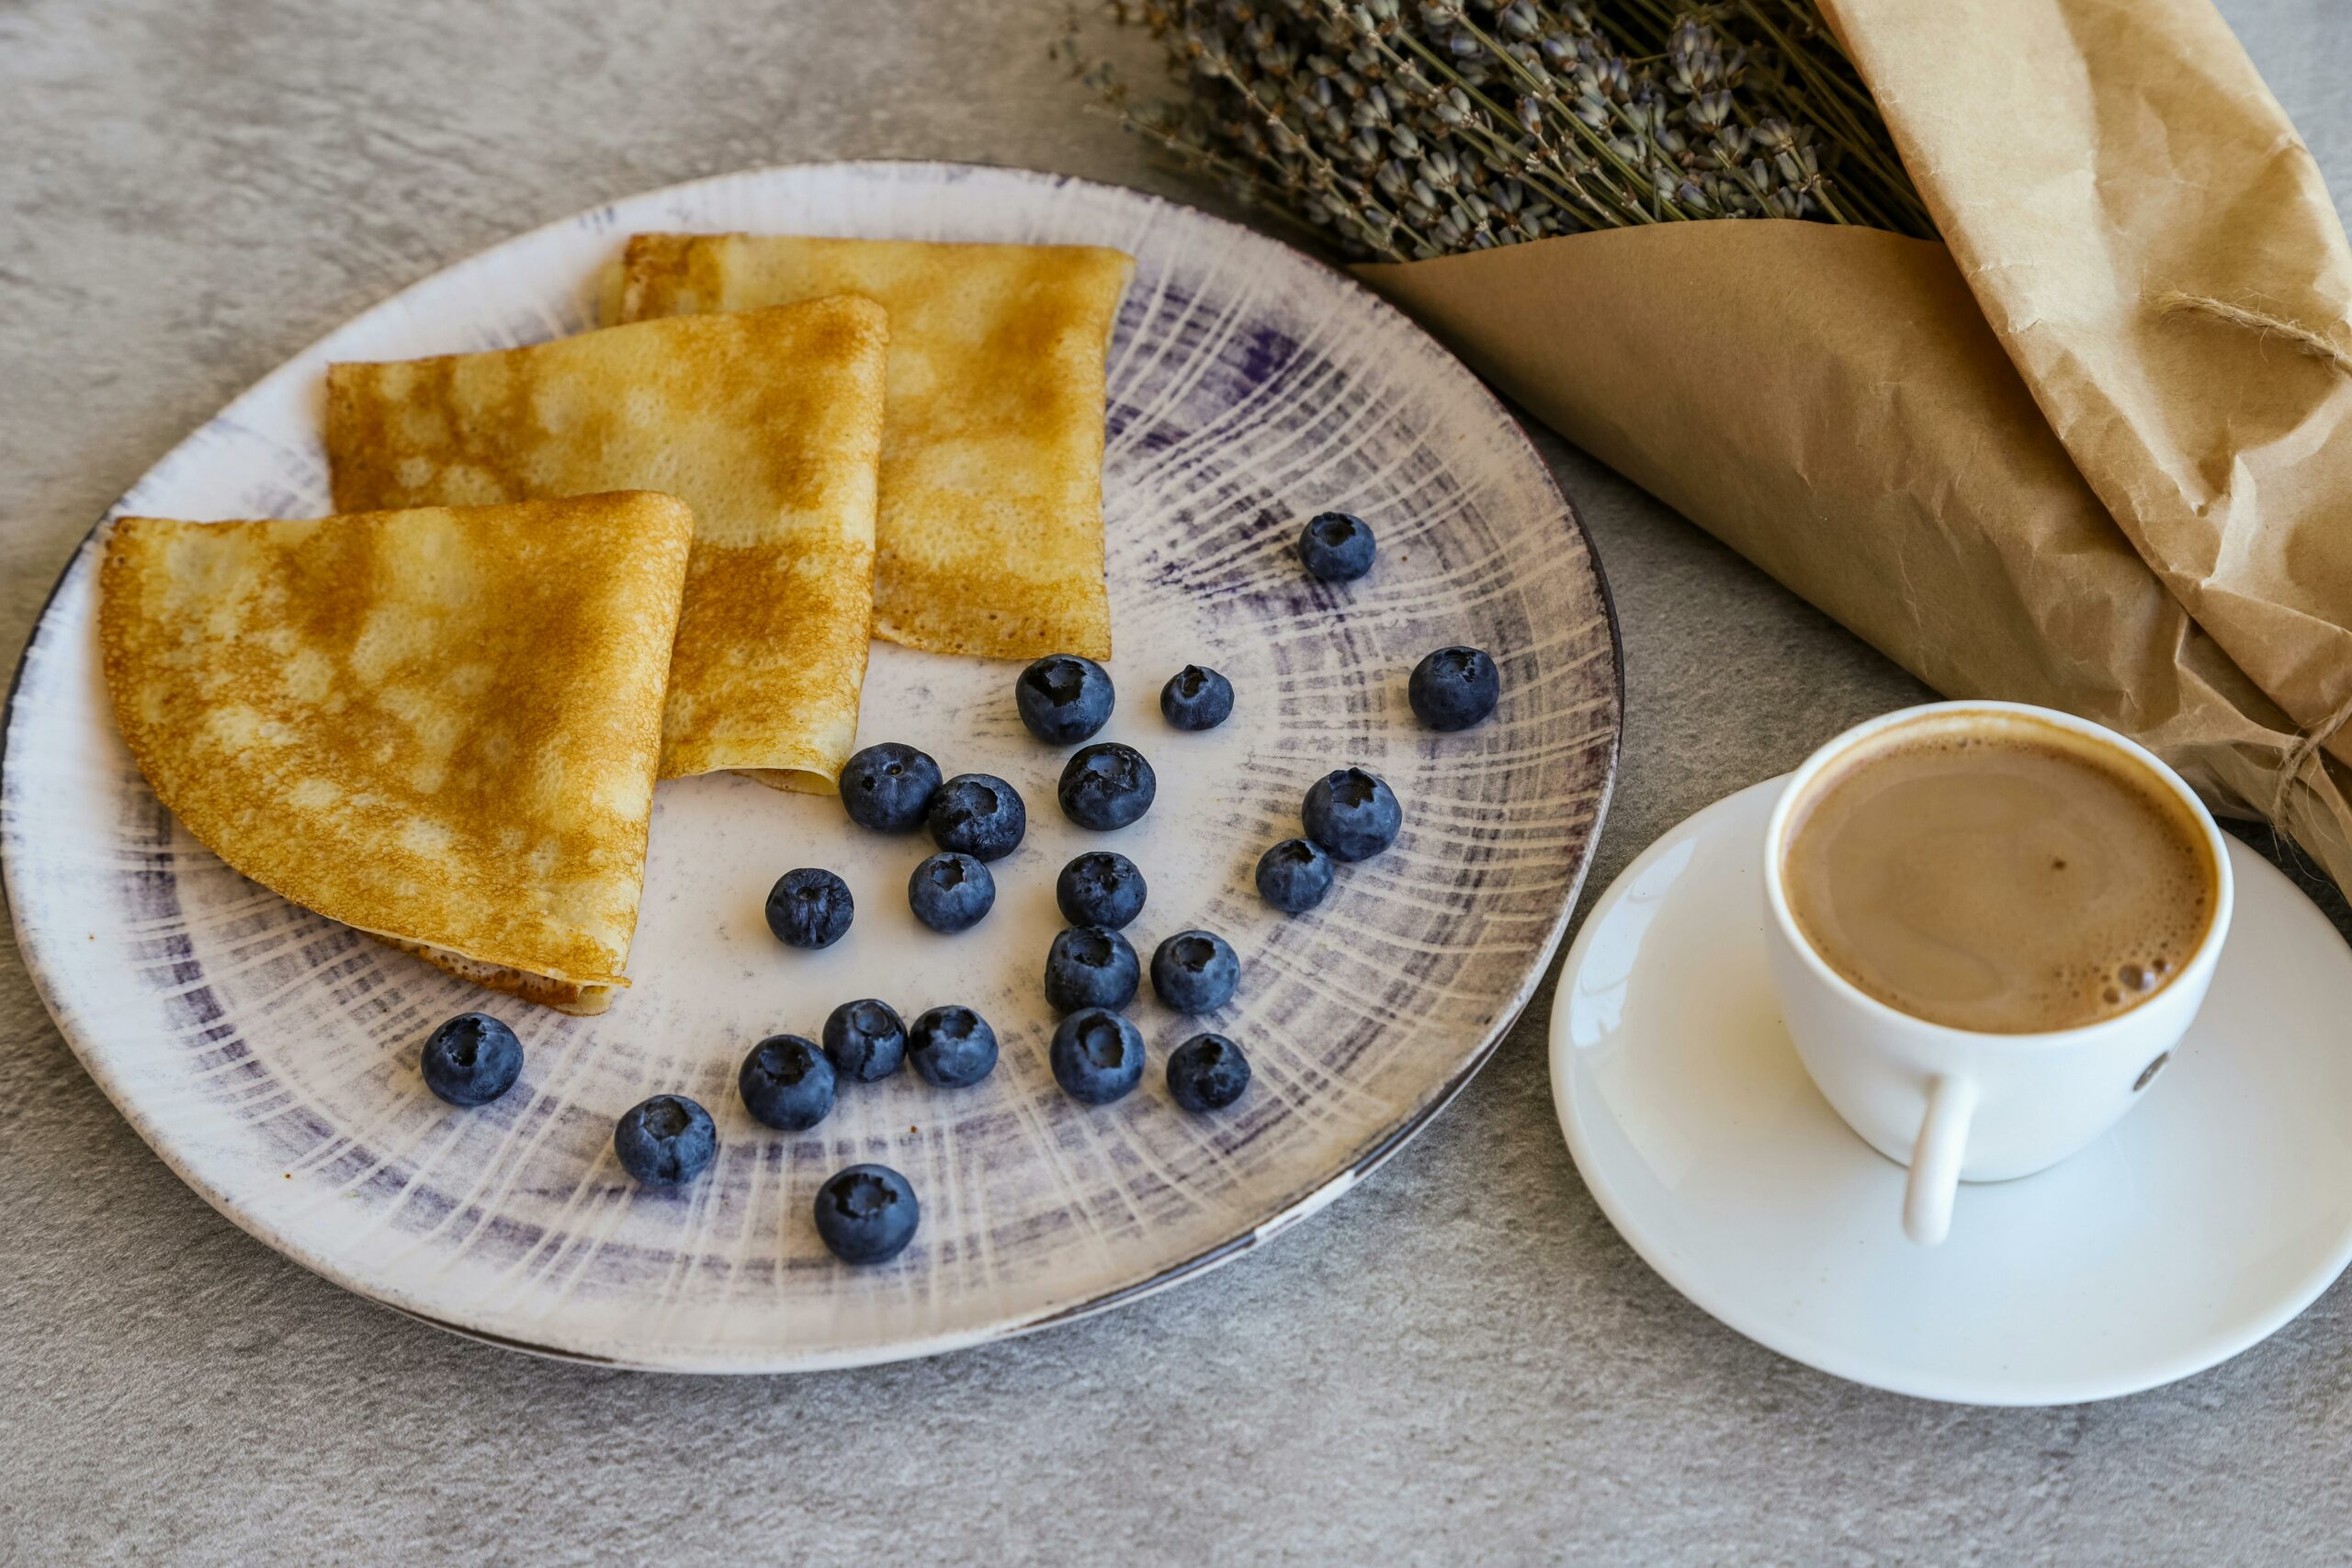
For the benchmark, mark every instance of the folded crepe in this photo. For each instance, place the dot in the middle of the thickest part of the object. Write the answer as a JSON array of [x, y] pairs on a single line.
[[989, 540], [438, 725], [768, 424]]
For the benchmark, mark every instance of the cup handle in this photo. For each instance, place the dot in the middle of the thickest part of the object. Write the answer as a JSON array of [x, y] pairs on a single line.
[[1936, 1158]]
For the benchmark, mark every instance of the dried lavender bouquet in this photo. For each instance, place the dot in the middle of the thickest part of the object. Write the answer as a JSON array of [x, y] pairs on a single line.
[[1958, 402], [1401, 131]]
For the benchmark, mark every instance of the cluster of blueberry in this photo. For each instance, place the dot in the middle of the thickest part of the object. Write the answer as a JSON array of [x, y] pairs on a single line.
[[1091, 971], [1451, 688], [865, 1213], [1092, 974], [868, 1214], [978, 818], [1351, 815]]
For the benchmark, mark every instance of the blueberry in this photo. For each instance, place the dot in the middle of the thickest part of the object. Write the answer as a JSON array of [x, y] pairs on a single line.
[[1337, 548], [1064, 698], [952, 1048], [809, 908], [1207, 1072], [1454, 688], [1351, 815], [1294, 876], [1195, 971], [1101, 887], [889, 787], [864, 1041], [1097, 1057], [1196, 698], [1090, 967], [866, 1213], [665, 1141], [473, 1059], [977, 815], [951, 893], [1107, 785], [786, 1083]]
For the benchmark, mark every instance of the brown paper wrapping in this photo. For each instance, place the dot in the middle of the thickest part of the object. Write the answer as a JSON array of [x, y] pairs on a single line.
[[2080, 457]]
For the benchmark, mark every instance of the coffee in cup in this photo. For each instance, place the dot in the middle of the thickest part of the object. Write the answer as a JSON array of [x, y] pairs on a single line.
[[1994, 873], [1990, 927]]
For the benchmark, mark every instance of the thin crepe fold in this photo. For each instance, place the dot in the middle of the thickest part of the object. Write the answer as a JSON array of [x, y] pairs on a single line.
[[438, 725], [766, 424], [989, 534]]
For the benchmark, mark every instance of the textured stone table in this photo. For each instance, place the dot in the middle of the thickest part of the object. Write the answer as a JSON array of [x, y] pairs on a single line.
[[1459, 1361]]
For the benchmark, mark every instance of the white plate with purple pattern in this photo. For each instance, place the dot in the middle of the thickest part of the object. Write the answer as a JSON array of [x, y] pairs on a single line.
[[270, 1057]]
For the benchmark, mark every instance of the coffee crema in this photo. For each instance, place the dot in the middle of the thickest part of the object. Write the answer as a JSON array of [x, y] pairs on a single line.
[[1996, 873]]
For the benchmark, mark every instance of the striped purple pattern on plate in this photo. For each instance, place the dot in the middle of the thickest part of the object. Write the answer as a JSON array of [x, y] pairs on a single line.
[[270, 1057]]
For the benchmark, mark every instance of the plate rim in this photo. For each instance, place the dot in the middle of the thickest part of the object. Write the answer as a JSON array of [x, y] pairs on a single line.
[[1318, 1193], [2203, 1356]]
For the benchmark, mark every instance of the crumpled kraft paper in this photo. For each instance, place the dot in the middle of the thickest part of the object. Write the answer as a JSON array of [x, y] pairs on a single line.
[[2078, 455]]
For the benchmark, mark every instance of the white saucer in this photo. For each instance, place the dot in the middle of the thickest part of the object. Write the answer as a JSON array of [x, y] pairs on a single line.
[[2207, 1219]]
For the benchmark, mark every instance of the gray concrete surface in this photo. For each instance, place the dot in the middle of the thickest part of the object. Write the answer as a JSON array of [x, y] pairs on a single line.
[[1460, 1362]]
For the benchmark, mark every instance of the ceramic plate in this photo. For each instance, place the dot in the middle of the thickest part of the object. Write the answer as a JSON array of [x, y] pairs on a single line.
[[270, 1057], [2198, 1225]]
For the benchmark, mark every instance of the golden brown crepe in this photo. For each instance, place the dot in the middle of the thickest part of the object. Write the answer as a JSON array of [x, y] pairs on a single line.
[[768, 424], [989, 540], [438, 725]]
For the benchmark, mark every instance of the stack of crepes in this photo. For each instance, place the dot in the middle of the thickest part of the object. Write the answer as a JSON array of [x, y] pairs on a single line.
[[560, 572]]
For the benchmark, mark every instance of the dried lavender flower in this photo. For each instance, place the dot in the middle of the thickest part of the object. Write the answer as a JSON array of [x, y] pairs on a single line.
[[1406, 128]]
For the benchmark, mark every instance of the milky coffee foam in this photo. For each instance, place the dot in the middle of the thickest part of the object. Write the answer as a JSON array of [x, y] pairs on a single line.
[[1994, 873]]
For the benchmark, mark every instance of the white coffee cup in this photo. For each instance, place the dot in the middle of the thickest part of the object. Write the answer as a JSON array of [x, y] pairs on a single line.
[[1955, 1104]]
